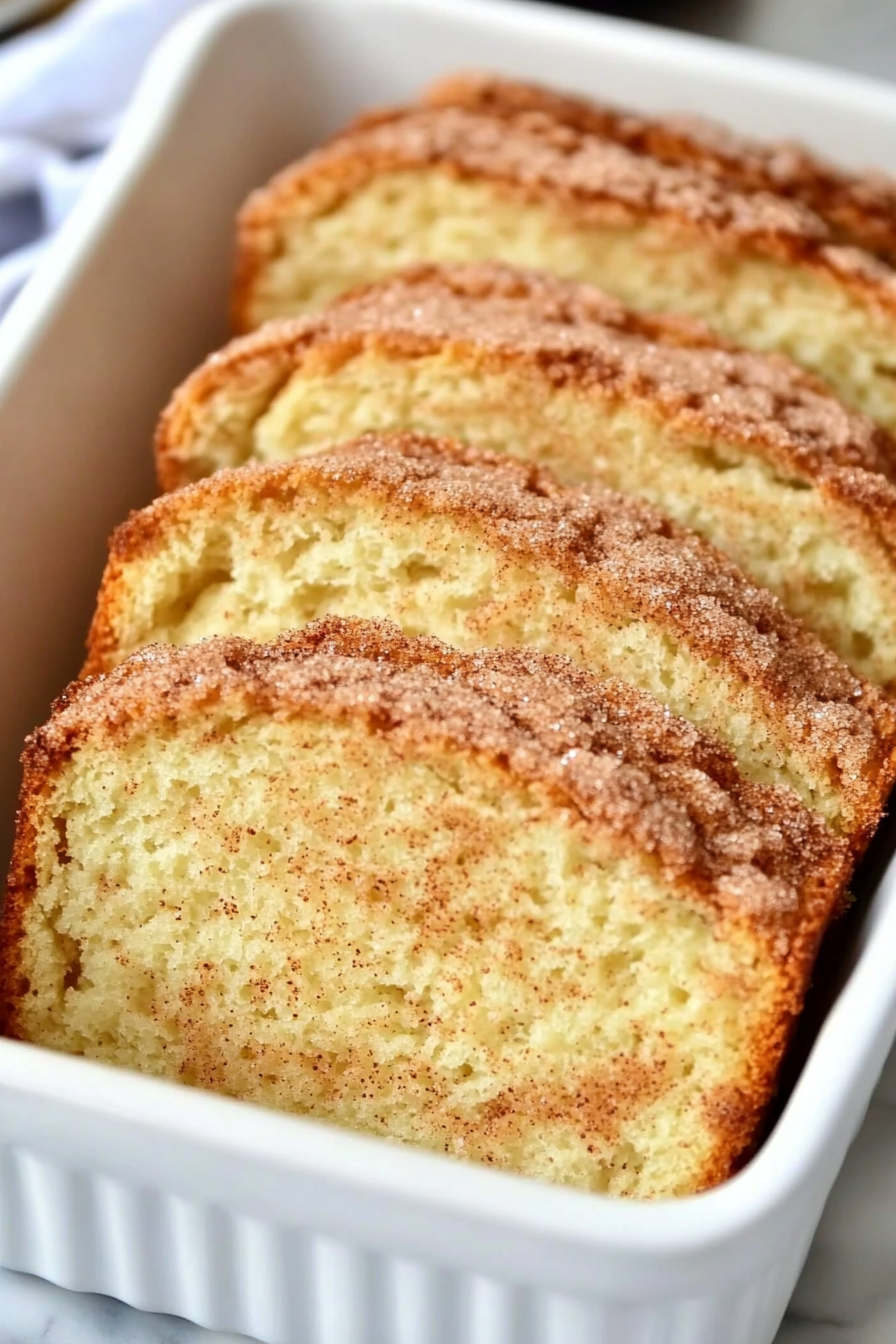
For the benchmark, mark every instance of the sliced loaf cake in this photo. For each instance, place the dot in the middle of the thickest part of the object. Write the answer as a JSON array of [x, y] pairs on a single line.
[[464, 184], [858, 208], [746, 449], [484, 903], [484, 551]]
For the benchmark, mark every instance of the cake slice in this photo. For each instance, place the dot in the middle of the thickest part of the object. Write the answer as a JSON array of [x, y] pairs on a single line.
[[486, 904], [746, 449], [858, 208], [459, 184], [483, 551]]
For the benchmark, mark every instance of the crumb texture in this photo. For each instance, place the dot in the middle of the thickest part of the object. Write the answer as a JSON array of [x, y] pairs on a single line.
[[745, 449], [477, 739], [858, 208], [376, 881], [482, 551], [455, 184]]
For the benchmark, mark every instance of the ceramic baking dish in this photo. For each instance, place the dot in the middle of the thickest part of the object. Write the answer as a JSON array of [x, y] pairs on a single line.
[[189, 1203]]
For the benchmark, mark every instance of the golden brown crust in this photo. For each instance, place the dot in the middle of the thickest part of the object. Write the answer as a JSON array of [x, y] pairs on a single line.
[[610, 757], [625, 765], [503, 317], [859, 208], [542, 159], [612, 548]]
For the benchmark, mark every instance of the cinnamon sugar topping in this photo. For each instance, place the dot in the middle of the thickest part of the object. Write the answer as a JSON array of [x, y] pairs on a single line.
[[576, 333], [539, 157], [543, 153], [623, 763], [859, 208], [615, 552]]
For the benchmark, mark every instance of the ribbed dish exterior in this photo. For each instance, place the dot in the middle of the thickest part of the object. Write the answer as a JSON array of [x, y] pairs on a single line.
[[164, 1253]]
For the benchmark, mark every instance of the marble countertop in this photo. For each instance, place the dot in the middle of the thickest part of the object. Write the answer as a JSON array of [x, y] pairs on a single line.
[[34, 1312], [847, 1294]]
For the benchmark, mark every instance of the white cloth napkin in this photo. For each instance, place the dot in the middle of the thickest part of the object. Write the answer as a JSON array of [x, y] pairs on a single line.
[[63, 88]]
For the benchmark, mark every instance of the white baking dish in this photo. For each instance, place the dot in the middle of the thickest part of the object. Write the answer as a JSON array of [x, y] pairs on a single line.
[[188, 1203]]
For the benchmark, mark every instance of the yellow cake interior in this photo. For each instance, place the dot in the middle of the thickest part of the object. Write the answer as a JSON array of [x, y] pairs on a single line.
[[407, 941], [403, 217], [788, 537], [242, 569]]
